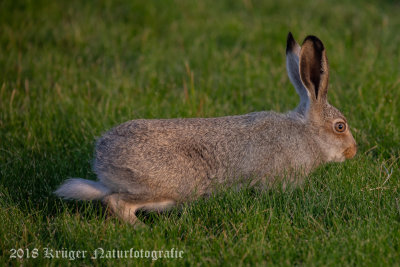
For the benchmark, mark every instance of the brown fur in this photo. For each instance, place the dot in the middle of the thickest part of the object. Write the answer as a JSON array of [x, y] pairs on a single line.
[[154, 164]]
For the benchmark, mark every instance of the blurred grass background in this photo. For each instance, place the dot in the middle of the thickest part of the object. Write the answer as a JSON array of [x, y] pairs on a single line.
[[70, 70]]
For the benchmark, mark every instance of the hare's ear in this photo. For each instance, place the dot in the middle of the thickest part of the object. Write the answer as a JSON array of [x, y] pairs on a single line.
[[314, 70], [292, 67]]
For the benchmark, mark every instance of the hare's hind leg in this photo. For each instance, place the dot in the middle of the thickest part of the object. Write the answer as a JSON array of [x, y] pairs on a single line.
[[122, 208], [125, 206]]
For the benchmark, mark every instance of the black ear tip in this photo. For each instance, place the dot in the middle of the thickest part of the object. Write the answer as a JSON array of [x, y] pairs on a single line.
[[316, 41], [290, 43]]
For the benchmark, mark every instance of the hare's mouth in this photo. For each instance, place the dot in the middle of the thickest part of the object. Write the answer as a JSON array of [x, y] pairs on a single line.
[[341, 158]]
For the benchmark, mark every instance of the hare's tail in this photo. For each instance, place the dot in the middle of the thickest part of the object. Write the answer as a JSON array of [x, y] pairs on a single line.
[[82, 189]]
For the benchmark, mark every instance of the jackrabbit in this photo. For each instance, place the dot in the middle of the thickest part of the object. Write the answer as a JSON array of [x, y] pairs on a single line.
[[156, 164]]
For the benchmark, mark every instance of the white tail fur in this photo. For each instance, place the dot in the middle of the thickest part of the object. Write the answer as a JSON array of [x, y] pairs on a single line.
[[82, 189]]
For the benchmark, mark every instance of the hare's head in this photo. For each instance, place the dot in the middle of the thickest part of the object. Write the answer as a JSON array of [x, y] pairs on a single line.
[[308, 70]]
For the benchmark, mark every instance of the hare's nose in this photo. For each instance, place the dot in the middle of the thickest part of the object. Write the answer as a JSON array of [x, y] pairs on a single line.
[[350, 152]]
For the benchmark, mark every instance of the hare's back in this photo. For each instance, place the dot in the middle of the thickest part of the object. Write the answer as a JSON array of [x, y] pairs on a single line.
[[150, 138], [154, 140]]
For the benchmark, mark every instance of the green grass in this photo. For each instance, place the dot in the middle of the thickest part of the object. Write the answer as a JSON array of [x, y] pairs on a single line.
[[71, 70]]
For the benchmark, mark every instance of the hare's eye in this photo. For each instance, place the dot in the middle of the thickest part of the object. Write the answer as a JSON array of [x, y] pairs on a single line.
[[340, 127]]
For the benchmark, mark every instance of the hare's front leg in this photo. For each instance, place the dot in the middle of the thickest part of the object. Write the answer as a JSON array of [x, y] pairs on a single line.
[[125, 206]]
